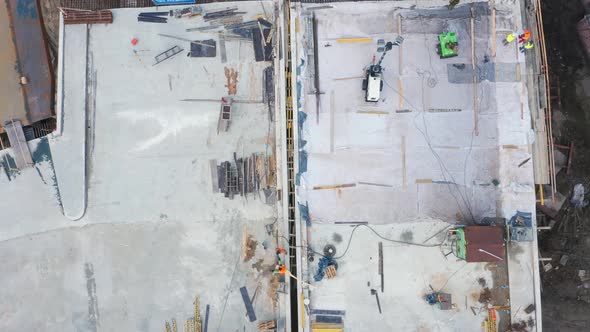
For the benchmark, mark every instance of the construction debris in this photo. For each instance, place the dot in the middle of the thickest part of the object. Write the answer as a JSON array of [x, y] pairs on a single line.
[[248, 247], [267, 326], [192, 324], [203, 49], [224, 115], [212, 15], [186, 12], [232, 80], [153, 17], [249, 308], [167, 54], [243, 176]]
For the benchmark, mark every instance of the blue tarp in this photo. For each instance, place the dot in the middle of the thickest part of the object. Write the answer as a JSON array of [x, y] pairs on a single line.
[[521, 226], [302, 165], [304, 213]]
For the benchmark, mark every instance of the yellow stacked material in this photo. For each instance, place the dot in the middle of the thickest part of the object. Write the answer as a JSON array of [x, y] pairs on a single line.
[[490, 324], [198, 322], [326, 327]]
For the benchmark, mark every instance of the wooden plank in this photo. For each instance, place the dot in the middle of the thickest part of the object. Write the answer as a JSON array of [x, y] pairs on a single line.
[[404, 179], [400, 64], [373, 112], [16, 136], [423, 180], [337, 186], [332, 111], [475, 107], [354, 40], [475, 99], [494, 35]]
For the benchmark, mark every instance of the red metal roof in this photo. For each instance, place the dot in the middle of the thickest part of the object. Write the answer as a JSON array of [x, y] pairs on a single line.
[[74, 16], [483, 241]]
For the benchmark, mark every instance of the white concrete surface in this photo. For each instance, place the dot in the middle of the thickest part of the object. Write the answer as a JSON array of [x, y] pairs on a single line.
[[69, 143], [413, 166], [152, 233]]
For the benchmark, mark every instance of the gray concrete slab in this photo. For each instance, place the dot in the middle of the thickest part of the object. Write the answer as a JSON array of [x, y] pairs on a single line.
[[131, 162], [437, 161]]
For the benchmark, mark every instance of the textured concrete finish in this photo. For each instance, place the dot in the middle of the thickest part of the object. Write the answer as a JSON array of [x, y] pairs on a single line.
[[69, 145], [152, 233], [434, 149]]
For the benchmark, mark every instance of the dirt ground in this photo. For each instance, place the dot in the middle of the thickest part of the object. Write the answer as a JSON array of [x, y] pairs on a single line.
[[565, 296]]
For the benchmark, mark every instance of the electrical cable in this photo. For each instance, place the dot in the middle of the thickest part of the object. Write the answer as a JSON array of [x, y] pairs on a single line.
[[437, 157], [377, 234]]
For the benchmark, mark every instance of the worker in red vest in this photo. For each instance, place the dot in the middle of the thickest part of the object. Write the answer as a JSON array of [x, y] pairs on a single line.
[[526, 35]]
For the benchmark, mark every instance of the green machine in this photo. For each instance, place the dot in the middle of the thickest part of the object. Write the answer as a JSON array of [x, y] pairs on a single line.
[[448, 46]]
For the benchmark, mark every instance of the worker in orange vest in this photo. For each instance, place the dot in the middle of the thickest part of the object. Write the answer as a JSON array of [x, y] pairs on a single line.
[[280, 269], [525, 36]]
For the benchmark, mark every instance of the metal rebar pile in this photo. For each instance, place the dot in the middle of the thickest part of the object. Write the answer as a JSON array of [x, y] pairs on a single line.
[[242, 176]]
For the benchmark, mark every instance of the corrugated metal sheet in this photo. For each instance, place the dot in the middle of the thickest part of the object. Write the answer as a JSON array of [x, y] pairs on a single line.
[[487, 238], [32, 60]]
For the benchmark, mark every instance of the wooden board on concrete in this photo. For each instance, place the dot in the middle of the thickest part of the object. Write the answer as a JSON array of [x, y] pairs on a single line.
[[16, 136]]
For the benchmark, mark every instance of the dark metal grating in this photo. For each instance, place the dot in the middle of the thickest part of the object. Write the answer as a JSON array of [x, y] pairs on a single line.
[[104, 4], [75, 16], [36, 130]]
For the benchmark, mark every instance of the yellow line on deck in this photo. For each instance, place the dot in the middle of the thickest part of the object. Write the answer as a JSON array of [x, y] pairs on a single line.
[[354, 40]]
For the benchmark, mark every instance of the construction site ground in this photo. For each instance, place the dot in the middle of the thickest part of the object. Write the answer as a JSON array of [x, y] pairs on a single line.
[[437, 150], [118, 227], [566, 295]]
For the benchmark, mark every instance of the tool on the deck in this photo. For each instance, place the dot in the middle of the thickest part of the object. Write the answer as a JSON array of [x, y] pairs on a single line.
[[448, 46], [373, 83]]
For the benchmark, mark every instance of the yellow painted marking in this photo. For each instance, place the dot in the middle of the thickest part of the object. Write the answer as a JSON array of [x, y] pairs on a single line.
[[354, 40]]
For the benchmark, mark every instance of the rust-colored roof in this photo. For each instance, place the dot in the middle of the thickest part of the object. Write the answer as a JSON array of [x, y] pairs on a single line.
[[487, 238], [32, 60], [75, 16]]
